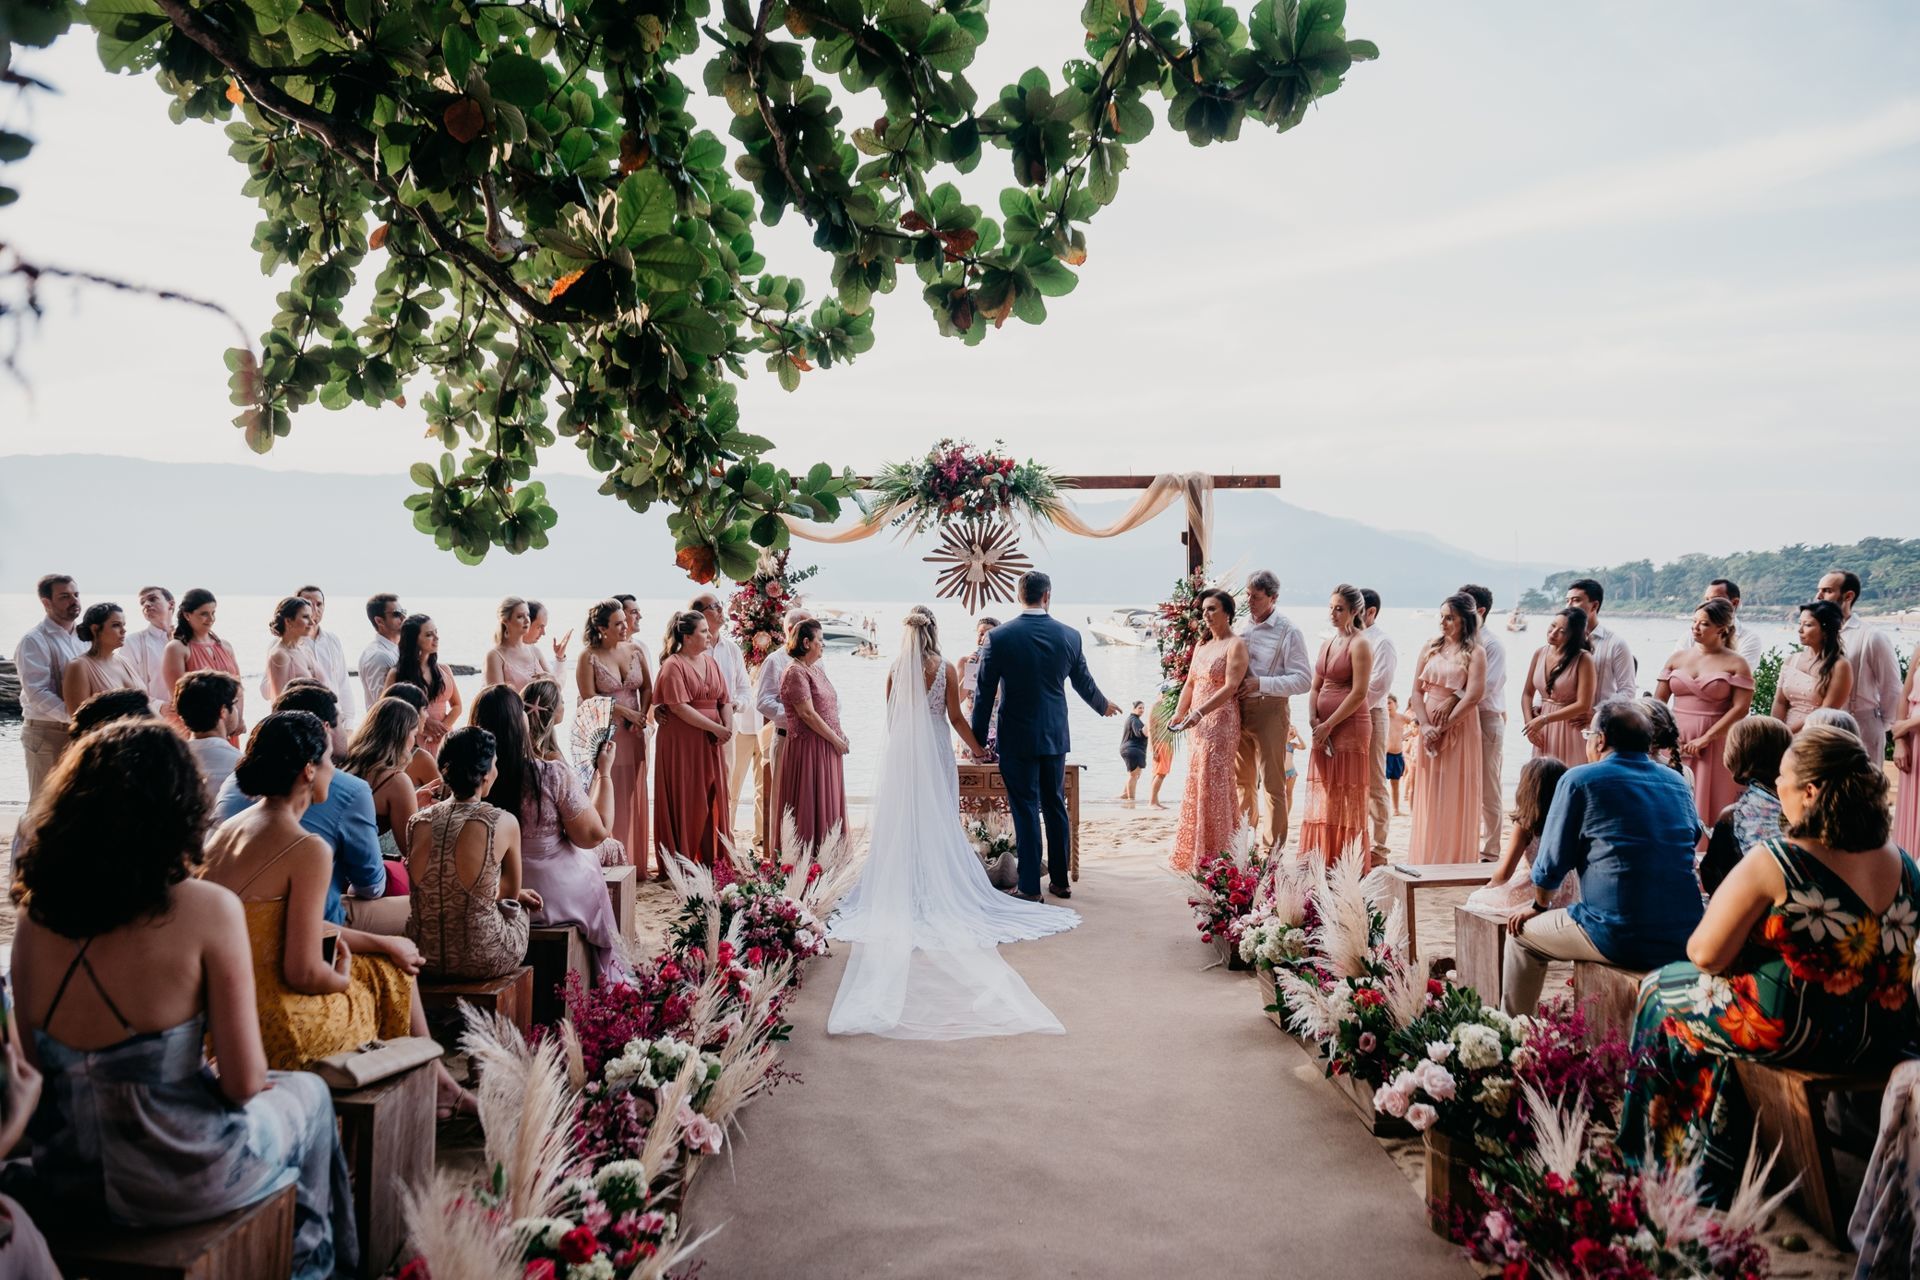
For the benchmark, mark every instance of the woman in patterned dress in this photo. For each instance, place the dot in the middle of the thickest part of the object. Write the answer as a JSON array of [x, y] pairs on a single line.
[[1452, 676], [1804, 959], [1209, 807], [469, 915], [1820, 674], [1338, 764]]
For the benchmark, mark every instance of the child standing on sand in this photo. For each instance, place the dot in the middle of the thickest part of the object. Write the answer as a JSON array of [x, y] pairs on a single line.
[[1293, 741], [1398, 726]]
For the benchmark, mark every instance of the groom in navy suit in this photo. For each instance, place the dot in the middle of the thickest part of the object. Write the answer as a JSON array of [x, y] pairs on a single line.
[[1027, 662]]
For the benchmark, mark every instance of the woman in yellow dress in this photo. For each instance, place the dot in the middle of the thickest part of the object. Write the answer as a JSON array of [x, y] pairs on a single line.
[[313, 1002]]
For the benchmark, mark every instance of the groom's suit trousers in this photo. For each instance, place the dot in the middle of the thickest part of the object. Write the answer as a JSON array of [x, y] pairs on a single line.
[[1036, 792]]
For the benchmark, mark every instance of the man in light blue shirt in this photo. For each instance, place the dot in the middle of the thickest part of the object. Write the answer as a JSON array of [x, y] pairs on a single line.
[[1627, 826], [344, 819]]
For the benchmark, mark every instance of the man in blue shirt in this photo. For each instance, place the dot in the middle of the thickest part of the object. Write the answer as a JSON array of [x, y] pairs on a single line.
[[344, 819], [1627, 826]]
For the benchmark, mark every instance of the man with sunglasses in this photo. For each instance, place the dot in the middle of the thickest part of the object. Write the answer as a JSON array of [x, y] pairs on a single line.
[[378, 659]]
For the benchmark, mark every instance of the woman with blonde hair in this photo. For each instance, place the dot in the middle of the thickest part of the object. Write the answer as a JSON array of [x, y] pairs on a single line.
[[379, 753], [544, 711], [512, 660], [612, 666]]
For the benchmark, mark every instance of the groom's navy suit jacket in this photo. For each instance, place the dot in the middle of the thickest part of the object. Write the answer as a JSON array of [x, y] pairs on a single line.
[[1026, 662]]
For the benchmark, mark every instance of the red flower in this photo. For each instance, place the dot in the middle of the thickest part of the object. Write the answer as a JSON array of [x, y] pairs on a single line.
[[579, 1246], [538, 1269], [1558, 1184], [1367, 998], [416, 1269], [1519, 1270]]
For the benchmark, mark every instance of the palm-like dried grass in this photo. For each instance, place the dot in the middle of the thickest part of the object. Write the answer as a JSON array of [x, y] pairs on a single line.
[[1310, 1011], [454, 1236], [1289, 886], [1343, 935], [1751, 1206], [1559, 1130], [526, 1111]]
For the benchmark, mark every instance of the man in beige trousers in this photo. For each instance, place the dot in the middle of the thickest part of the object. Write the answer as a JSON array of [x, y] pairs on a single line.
[[1277, 668], [1493, 722], [1379, 685], [773, 732]]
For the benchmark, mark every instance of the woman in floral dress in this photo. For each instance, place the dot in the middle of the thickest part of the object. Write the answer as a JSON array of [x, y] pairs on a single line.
[[1804, 958], [1209, 809]]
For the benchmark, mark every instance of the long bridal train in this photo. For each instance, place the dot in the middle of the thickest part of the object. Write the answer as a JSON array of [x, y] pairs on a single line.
[[924, 921]]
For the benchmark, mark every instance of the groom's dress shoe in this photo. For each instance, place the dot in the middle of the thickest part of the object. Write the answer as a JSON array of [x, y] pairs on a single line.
[[1024, 897], [1059, 891]]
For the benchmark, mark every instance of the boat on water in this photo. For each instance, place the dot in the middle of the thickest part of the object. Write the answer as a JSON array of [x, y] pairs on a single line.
[[1128, 628], [1516, 621], [838, 629]]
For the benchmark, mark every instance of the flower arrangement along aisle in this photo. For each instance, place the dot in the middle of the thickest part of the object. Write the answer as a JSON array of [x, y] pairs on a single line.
[[955, 481], [1360, 990], [1277, 935], [1225, 885], [757, 609], [1566, 1204]]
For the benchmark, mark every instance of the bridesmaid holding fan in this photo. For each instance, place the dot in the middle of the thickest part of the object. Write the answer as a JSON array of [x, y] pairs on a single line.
[[1711, 687], [1445, 704], [1339, 766], [612, 667], [690, 811], [1209, 705], [1558, 694]]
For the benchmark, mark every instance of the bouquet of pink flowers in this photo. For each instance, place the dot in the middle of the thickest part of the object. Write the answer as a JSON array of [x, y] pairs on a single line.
[[757, 609], [1225, 887], [956, 481]]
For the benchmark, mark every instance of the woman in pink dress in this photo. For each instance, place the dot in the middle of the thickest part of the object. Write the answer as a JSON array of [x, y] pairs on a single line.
[[1452, 676], [195, 647], [813, 788], [1339, 769], [103, 667], [513, 660], [1819, 675], [1906, 759], [612, 667], [291, 657], [1558, 694], [419, 664], [1209, 705], [691, 816], [1711, 687]]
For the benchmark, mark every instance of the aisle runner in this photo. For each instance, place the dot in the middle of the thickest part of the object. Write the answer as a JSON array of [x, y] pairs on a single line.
[[1171, 1131]]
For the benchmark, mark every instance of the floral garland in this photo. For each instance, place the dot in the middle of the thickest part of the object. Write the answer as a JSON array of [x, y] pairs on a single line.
[[757, 609], [956, 481]]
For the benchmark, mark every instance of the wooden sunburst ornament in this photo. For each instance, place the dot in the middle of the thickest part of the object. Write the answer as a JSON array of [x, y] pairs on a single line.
[[983, 562]]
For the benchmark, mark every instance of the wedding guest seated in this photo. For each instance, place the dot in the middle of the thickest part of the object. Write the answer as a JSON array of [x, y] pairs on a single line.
[[105, 708], [469, 912], [1833, 718], [421, 768], [563, 832], [318, 991], [545, 709], [378, 755], [101, 667], [343, 817], [1754, 748], [23, 1250], [1626, 824], [208, 704], [127, 970], [1509, 887], [1804, 959]]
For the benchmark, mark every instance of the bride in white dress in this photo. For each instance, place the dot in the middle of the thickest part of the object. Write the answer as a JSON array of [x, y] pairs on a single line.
[[924, 921]]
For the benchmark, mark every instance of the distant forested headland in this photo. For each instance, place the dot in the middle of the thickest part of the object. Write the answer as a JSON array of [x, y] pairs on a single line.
[[1889, 570]]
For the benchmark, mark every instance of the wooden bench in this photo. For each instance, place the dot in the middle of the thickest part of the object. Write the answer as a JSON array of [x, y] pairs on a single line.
[[387, 1133], [554, 953], [246, 1244], [1608, 996], [1789, 1108], [1479, 951], [510, 995], [623, 888], [1405, 884]]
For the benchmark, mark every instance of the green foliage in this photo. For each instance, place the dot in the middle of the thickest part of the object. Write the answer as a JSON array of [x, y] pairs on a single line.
[[554, 248], [1889, 570], [1766, 679], [29, 24]]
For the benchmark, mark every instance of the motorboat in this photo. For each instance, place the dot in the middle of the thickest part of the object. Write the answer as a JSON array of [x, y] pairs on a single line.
[[838, 629], [1516, 621], [1128, 628]]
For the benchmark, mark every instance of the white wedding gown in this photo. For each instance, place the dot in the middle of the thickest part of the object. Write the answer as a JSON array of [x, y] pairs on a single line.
[[924, 921]]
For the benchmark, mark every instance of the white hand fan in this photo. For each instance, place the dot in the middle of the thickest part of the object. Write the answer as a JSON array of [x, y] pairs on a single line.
[[592, 726]]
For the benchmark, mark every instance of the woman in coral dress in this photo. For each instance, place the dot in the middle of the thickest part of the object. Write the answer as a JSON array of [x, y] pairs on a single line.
[[1906, 760], [611, 666], [813, 789], [1711, 687], [1339, 760], [1558, 695], [1209, 706], [691, 816], [1452, 676], [195, 647]]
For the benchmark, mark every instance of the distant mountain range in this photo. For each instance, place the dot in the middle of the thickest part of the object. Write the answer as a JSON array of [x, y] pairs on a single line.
[[248, 530]]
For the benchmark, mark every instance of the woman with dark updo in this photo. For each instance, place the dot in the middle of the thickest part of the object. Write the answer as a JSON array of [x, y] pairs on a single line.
[[291, 658], [469, 911], [126, 971], [102, 668]]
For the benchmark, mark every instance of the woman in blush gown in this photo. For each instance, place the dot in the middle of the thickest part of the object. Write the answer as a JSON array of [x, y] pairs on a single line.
[[513, 660], [1558, 694], [291, 657], [691, 816], [1339, 761], [610, 666], [419, 664], [1906, 761], [1711, 688], [1452, 676], [103, 667], [1209, 705], [1820, 674]]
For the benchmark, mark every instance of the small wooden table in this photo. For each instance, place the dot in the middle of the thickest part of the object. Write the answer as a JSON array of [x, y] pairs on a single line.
[[982, 782], [1406, 882]]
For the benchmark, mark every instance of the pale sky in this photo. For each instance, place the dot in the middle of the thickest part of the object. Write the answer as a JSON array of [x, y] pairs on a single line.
[[1581, 283]]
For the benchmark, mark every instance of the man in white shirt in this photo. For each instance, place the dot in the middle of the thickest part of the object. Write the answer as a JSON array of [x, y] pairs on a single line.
[[1746, 640], [1385, 659], [773, 715], [378, 659], [331, 658], [1614, 672], [1493, 720], [42, 657], [146, 650], [1277, 668], [743, 761], [1876, 669]]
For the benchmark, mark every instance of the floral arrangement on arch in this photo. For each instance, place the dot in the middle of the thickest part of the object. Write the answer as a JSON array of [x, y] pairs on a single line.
[[1566, 1203], [955, 481], [757, 608], [1225, 886]]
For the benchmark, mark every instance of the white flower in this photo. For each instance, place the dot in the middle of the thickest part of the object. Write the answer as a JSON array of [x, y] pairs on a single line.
[[1435, 1080], [1479, 1046], [1897, 927], [546, 1230], [1819, 915], [1494, 1095], [556, 1230], [1709, 990], [1421, 1116], [1396, 1097], [601, 1268], [631, 1170], [1521, 1058], [1439, 1050]]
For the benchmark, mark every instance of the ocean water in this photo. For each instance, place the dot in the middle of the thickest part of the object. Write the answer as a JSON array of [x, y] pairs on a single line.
[[1123, 674]]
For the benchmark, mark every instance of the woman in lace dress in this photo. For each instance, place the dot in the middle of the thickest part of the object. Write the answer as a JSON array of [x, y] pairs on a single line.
[[1209, 807], [1452, 676], [469, 914], [612, 666], [1820, 674], [1338, 762]]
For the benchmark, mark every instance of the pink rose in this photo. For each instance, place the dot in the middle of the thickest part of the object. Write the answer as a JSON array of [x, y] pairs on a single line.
[[1367, 1042], [701, 1134], [1392, 1098], [1421, 1116]]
